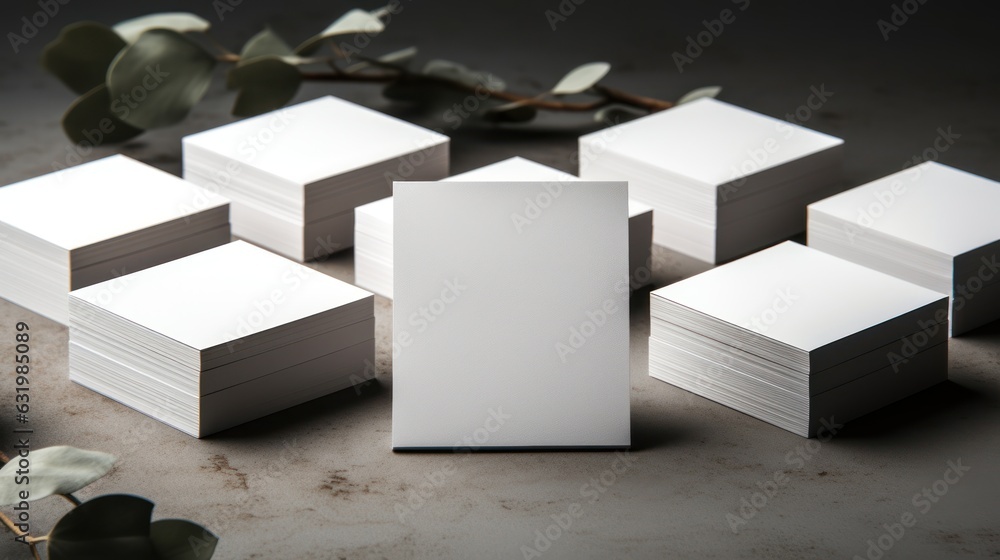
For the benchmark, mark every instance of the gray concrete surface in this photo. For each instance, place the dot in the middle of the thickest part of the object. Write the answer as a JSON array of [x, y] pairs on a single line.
[[319, 481]]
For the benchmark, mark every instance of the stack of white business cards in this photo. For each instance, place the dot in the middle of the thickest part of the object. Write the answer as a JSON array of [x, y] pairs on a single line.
[[373, 224], [723, 181], [931, 224], [95, 222], [798, 338], [221, 337], [502, 338], [295, 175]]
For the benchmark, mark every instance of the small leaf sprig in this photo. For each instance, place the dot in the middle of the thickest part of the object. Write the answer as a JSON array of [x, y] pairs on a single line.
[[149, 72], [109, 526]]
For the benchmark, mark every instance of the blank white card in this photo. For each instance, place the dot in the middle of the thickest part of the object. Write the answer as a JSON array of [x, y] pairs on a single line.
[[511, 315]]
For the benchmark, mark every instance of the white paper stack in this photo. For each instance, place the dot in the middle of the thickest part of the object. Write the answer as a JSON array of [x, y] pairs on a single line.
[[221, 337], [933, 225], [373, 225], [723, 181], [798, 338], [295, 175], [508, 336], [95, 222]]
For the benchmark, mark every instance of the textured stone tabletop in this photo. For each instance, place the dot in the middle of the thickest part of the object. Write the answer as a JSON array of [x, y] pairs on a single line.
[[320, 481]]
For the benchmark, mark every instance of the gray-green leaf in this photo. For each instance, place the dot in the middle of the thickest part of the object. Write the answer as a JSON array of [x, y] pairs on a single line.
[[159, 78], [80, 56], [91, 120], [265, 43], [112, 526], [179, 539], [456, 72], [354, 21], [54, 470], [581, 78], [709, 91], [265, 83], [398, 58], [182, 22], [617, 114]]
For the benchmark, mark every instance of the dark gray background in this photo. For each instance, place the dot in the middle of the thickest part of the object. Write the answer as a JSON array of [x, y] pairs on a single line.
[[319, 481]]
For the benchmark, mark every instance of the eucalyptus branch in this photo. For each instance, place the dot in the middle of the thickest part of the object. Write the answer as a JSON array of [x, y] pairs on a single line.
[[71, 499], [608, 95], [267, 72], [10, 524], [32, 541]]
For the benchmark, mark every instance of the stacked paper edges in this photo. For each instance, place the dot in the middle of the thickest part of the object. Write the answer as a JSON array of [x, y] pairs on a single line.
[[295, 175], [723, 181], [373, 225], [221, 337], [933, 225], [95, 222], [798, 338]]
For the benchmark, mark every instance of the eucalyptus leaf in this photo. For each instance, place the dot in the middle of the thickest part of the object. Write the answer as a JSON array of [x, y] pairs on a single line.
[[709, 91], [159, 78], [92, 120], [511, 113], [80, 56], [112, 526], [182, 22], [581, 78], [456, 72], [401, 56], [54, 470], [265, 83], [617, 114], [179, 539], [265, 43], [354, 21], [396, 60]]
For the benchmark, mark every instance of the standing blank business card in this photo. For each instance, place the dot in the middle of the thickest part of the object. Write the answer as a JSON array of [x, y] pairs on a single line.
[[510, 317]]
